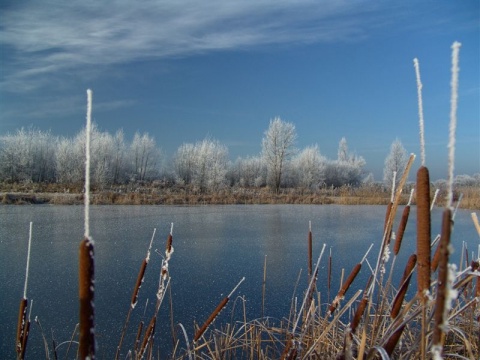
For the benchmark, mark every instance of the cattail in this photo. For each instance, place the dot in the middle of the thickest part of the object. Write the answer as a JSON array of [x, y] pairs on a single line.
[[25, 333], [401, 229], [329, 275], [210, 319], [168, 248], [86, 294], [310, 249], [215, 313], [475, 222], [21, 326], [345, 287], [24, 324], [393, 340], [453, 120], [435, 258], [407, 275], [423, 230], [149, 334], [88, 133], [361, 307], [137, 338], [443, 287], [420, 110]]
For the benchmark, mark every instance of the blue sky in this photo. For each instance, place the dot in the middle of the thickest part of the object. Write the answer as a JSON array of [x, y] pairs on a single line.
[[184, 70]]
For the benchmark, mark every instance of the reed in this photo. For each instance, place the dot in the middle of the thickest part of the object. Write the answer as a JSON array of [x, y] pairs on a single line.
[[86, 286], [443, 287], [404, 282], [136, 290], [215, 313], [423, 231], [402, 226]]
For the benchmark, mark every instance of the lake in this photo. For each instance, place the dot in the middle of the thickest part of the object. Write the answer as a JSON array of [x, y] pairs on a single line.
[[215, 246]]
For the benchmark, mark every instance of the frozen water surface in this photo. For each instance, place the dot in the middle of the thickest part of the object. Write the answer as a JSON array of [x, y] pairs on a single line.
[[215, 246]]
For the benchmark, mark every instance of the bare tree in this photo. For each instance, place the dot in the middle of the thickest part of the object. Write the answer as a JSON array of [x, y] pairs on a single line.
[[395, 161], [277, 148]]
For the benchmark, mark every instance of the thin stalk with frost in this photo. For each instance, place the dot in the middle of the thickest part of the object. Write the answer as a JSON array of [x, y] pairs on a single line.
[[24, 323], [420, 111], [453, 119], [86, 278], [434, 199], [138, 284], [215, 312]]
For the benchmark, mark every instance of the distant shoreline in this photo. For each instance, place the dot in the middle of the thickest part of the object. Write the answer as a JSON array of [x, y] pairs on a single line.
[[342, 196]]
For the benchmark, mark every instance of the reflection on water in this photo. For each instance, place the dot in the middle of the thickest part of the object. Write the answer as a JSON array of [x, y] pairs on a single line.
[[215, 246]]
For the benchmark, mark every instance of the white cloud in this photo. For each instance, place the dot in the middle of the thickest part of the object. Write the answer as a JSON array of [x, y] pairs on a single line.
[[46, 37]]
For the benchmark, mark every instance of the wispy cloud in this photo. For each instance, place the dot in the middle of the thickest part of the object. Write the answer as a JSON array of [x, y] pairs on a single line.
[[43, 38]]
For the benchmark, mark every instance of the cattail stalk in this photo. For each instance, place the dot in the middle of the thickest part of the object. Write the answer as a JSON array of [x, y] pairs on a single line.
[[264, 284], [24, 323], [407, 275], [310, 249], [215, 313], [138, 285], [401, 229], [86, 284], [345, 287], [476, 222], [453, 120], [444, 290], [88, 133], [420, 110], [423, 230], [148, 337]]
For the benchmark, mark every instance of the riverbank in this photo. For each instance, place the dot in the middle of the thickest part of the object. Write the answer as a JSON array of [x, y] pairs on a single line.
[[159, 195]]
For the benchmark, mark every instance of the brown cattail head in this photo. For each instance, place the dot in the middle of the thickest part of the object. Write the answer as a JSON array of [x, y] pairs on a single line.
[[25, 339], [138, 284], [310, 252], [169, 243], [329, 275], [210, 319], [149, 334], [345, 287], [359, 313], [86, 282], [137, 338], [423, 230], [393, 340], [21, 326], [436, 258], [401, 229], [407, 275], [388, 226], [441, 306]]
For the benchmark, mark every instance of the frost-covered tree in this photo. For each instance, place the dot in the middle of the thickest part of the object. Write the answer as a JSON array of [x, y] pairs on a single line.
[[395, 161], [277, 149], [346, 170], [27, 155], [309, 168], [249, 172], [145, 156], [203, 164]]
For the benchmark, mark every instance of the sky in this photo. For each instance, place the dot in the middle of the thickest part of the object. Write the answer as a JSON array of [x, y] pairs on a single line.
[[184, 70]]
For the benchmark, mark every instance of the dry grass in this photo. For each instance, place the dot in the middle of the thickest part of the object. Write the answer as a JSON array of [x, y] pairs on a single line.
[[364, 195]]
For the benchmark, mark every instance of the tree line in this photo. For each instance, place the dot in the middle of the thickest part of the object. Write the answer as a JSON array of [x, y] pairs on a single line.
[[31, 155]]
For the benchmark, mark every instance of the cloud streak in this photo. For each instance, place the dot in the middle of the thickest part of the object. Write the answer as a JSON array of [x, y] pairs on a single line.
[[50, 37]]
